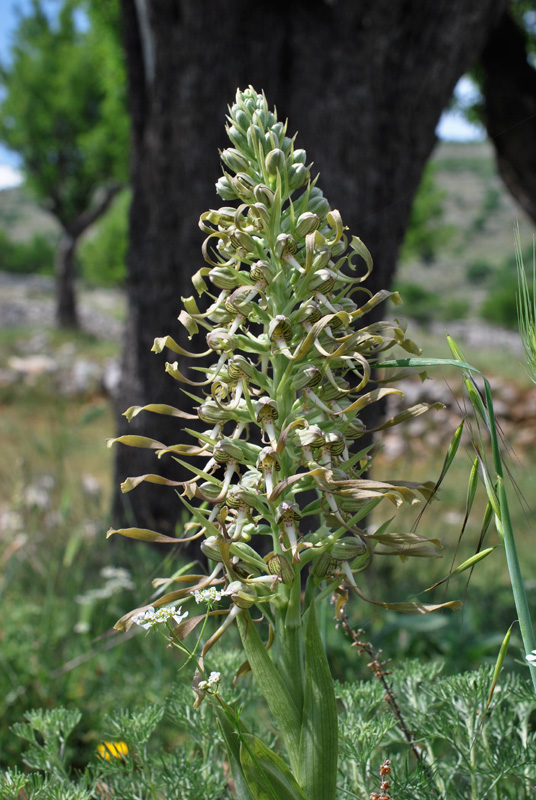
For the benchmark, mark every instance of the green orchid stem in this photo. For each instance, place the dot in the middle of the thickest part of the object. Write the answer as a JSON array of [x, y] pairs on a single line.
[[274, 688], [505, 523], [289, 634]]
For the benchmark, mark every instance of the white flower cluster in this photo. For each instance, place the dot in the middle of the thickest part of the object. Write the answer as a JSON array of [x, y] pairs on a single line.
[[212, 684], [211, 595], [531, 658], [151, 618]]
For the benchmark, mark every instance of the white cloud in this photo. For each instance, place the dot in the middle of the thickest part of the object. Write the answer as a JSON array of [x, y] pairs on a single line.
[[9, 176]]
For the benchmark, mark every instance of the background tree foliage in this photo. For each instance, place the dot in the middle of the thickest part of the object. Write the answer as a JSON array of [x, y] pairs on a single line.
[[63, 112]]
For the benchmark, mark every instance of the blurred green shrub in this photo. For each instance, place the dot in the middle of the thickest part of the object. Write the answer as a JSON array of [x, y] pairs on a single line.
[[500, 306], [490, 204], [454, 308], [478, 270], [426, 232], [25, 258], [102, 255], [419, 303]]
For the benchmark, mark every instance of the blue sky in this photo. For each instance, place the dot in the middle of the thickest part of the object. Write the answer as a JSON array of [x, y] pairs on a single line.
[[452, 126]]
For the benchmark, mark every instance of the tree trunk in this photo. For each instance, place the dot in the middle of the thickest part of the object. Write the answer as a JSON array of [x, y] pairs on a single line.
[[509, 89], [66, 306], [65, 264], [364, 83]]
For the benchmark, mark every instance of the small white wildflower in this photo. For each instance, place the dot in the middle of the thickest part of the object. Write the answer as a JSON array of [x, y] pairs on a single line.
[[115, 573], [202, 686], [151, 617], [213, 679], [211, 595], [81, 627], [531, 658]]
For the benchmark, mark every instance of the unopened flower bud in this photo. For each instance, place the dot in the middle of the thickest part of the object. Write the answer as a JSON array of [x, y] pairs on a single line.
[[244, 185], [211, 413], [275, 161], [278, 564], [241, 594], [255, 138], [306, 223], [224, 277], [237, 136], [233, 159], [240, 239], [259, 212], [298, 175], [320, 207], [264, 195], [299, 156], [225, 188], [306, 376], [347, 549], [339, 247], [286, 144], [211, 549], [241, 118], [261, 117], [278, 129], [324, 566], [209, 490], [248, 556], [321, 259]]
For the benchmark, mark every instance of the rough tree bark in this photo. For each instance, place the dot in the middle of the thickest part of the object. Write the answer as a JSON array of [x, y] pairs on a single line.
[[364, 83], [509, 89]]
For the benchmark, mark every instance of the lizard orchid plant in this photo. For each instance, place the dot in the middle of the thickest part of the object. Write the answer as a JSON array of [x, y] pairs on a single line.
[[279, 490]]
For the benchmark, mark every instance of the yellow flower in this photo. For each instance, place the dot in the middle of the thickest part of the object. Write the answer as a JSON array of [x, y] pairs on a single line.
[[109, 750]]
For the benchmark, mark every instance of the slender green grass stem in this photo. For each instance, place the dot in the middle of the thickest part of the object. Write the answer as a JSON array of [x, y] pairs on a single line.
[[504, 520]]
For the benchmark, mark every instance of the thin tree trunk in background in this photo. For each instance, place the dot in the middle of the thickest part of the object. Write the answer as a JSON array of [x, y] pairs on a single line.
[[65, 261], [66, 306], [363, 83]]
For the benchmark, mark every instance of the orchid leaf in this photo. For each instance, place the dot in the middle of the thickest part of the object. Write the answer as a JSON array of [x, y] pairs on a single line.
[[318, 742], [267, 775], [275, 690]]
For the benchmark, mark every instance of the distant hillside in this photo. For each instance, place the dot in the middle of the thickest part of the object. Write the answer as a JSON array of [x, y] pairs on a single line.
[[21, 217], [476, 205], [482, 214]]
